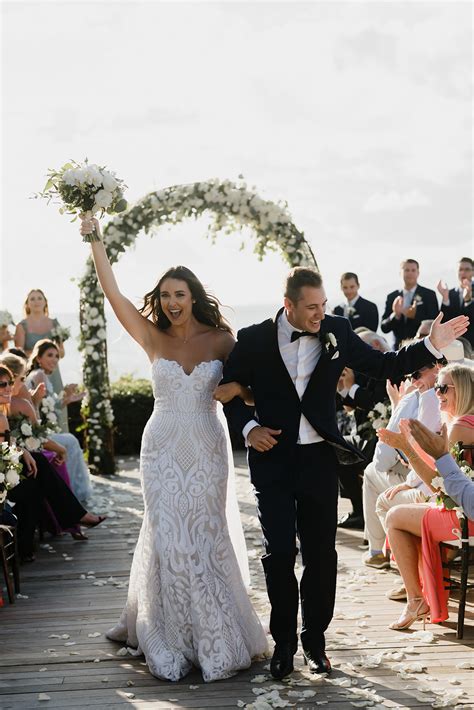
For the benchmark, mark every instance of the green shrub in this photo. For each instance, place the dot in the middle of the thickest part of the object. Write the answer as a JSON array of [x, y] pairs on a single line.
[[132, 403]]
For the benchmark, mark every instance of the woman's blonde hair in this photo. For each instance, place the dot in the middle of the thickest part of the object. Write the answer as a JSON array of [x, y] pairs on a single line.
[[26, 308], [463, 381]]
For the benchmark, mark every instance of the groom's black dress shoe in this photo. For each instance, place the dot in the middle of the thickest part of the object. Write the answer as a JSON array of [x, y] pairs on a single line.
[[317, 662], [281, 664], [352, 521]]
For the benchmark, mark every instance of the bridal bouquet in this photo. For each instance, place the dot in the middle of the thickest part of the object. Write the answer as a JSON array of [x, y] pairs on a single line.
[[10, 468], [85, 189], [47, 410], [60, 333], [5, 319]]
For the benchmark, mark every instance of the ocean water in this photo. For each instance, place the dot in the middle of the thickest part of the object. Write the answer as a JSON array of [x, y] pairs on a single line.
[[125, 356]]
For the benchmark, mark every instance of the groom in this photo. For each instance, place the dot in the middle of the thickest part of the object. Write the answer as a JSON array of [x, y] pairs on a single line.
[[292, 364]]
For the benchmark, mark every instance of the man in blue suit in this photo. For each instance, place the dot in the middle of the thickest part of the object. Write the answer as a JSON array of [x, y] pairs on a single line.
[[293, 364]]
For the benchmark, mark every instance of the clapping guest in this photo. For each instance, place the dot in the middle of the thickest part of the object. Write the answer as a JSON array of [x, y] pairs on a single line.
[[37, 325], [405, 308], [458, 301], [407, 524], [360, 311]]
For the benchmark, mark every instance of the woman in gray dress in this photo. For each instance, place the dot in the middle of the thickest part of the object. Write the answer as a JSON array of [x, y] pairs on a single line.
[[37, 325]]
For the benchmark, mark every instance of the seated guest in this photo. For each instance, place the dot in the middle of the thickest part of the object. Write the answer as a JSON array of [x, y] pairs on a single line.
[[458, 301], [405, 308], [360, 311], [386, 470], [407, 524], [43, 361], [40, 482], [360, 393]]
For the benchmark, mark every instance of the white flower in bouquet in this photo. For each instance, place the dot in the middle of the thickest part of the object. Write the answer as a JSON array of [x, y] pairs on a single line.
[[26, 429], [2, 476], [85, 189], [5, 319], [12, 478], [32, 443]]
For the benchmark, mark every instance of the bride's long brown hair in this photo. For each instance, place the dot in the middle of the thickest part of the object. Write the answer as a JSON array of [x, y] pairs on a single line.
[[205, 307]]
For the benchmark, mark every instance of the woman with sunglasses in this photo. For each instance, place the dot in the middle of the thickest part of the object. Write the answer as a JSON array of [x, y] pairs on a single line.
[[428, 524], [40, 482]]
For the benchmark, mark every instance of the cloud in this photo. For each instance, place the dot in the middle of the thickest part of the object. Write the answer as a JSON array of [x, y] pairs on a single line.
[[393, 201]]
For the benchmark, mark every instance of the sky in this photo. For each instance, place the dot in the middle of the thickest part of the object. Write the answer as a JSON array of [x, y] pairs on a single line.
[[358, 114]]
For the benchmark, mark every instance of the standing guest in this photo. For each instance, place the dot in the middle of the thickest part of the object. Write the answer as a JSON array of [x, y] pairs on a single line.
[[408, 306], [293, 364], [458, 301], [360, 311], [37, 325]]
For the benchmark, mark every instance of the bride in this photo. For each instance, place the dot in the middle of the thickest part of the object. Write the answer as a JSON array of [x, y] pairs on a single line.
[[187, 603]]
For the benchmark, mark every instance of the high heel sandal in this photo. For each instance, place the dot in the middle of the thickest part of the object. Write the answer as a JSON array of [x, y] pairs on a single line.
[[409, 616], [78, 535], [97, 522]]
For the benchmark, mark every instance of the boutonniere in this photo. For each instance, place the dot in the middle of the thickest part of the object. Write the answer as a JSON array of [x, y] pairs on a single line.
[[417, 299], [330, 343], [350, 311]]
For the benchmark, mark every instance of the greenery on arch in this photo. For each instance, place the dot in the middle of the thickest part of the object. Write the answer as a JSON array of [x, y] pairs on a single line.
[[231, 206]]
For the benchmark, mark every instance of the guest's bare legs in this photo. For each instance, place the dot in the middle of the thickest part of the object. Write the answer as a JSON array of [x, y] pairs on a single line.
[[404, 534]]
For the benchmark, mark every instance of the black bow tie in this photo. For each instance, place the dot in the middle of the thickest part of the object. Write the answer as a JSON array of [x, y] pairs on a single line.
[[300, 333]]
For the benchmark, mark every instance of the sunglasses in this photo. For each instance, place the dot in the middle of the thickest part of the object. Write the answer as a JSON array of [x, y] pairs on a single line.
[[9, 383], [442, 389], [418, 373]]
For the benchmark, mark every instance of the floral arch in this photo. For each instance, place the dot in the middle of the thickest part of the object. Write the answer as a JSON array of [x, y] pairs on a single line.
[[231, 206]]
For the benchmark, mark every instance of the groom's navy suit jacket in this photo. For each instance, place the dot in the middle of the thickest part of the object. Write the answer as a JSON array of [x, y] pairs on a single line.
[[256, 362]]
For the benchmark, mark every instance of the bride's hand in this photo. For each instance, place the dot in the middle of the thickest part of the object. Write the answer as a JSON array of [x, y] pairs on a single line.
[[88, 225], [225, 393]]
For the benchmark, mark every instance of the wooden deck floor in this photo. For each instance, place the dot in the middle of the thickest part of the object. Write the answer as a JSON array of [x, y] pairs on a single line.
[[53, 652]]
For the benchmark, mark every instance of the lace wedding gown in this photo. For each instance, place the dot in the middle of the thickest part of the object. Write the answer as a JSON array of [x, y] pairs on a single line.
[[187, 604]]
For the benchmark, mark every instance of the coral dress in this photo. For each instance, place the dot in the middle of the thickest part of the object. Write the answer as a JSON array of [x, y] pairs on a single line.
[[439, 525]]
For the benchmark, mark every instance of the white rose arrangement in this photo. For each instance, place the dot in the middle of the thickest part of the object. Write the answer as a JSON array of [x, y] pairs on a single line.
[[85, 189], [10, 468], [49, 417]]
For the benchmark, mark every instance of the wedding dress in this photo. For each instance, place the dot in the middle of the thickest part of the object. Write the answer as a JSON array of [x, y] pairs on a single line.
[[187, 603]]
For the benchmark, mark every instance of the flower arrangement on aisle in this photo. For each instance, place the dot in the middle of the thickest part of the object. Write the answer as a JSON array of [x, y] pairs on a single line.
[[10, 468], [377, 418], [81, 188], [26, 434], [443, 500]]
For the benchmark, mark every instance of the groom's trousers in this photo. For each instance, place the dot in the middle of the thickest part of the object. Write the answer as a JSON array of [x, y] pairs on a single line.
[[297, 498]]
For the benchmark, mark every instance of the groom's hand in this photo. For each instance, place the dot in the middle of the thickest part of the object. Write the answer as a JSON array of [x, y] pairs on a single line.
[[262, 438], [442, 334]]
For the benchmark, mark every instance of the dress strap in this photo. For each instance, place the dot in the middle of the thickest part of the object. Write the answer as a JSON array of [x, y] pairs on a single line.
[[466, 420]]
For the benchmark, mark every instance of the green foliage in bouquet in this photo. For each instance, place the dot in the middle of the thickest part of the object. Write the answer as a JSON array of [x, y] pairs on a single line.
[[10, 469], [27, 434]]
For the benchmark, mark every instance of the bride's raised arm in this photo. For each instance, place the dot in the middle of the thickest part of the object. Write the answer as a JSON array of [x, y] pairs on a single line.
[[140, 328]]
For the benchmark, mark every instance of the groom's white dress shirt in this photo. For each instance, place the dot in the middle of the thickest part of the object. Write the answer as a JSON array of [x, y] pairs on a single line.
[[300, 358]]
